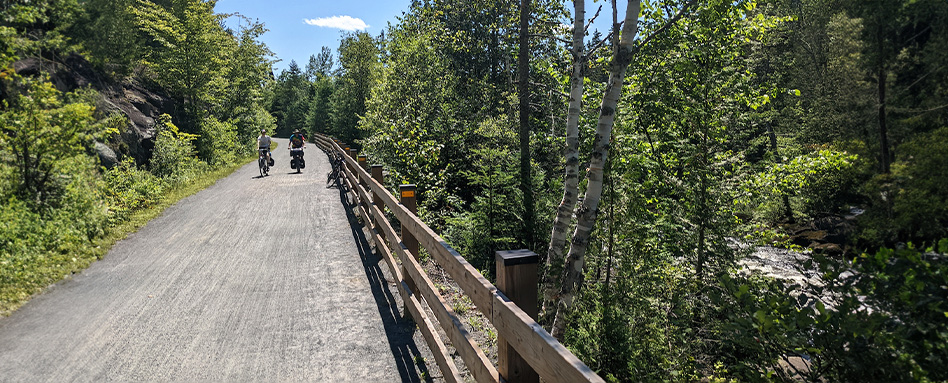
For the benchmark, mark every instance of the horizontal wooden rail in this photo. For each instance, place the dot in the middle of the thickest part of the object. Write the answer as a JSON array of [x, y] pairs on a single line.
[[550, 359]]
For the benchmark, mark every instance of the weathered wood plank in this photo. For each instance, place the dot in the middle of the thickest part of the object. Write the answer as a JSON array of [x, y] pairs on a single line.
[[448, 369], [475, 359], [467, 277], [544, 353], [477, 362], [438, 348]]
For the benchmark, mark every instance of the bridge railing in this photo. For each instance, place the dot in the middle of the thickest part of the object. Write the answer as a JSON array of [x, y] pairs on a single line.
[[525, 350]]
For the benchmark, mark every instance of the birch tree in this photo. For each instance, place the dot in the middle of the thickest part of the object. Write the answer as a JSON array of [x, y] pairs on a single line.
[[587, 211], [554, 255]]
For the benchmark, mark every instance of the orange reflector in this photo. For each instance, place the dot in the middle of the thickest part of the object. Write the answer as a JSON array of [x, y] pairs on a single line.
[[408, 194]]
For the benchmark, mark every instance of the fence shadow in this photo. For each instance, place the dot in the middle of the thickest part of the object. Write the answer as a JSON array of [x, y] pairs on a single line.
[[399, 329]]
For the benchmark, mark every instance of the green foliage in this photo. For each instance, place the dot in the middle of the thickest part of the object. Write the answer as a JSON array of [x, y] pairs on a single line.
[[291, 100], [110, 35], [174, 157], [814, 181], [129, 189], [249, 82], [881, 317], [218, 141], [40, 130], [40, 246], [318, 116], [921, 201], [359, 62], [191, 50]]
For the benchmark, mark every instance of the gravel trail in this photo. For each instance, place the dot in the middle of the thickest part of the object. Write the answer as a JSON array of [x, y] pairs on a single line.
[[253, 279]]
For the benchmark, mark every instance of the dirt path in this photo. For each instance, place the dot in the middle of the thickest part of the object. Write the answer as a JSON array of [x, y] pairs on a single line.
[[252, 279]]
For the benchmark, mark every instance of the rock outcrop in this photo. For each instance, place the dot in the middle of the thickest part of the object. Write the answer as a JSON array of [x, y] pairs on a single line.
[[130, 98], [826, 234]]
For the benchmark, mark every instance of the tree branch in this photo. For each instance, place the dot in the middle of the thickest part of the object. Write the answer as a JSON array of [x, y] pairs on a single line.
[[663, 28], [551, 37], [606, 38], [586, 28]]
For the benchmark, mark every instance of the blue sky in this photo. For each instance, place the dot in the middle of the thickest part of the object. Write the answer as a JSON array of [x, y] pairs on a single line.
[[298, 29]]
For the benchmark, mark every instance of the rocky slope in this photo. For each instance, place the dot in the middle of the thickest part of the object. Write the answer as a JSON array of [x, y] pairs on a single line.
[[129, 98]]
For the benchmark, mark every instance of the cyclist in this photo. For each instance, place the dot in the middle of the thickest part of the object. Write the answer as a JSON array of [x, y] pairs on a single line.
[[263, 143], [297, 143], [297, 140]]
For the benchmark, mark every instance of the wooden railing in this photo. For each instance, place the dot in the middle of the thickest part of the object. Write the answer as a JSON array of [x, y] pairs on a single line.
[[525, 350]]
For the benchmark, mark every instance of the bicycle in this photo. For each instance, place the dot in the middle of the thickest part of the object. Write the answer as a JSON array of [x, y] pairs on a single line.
[[297, 162], [336, 174], [262, 163]]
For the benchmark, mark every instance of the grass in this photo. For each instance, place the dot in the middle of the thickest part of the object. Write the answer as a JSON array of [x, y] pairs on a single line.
[[35, 273]]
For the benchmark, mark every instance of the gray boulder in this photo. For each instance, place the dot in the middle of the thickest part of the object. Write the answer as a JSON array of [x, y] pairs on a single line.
[[107, 156]]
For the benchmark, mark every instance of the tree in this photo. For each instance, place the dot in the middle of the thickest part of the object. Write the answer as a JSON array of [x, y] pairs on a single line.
[[292, 100], [40, 129], [110, 34], [188, 51], [587, 210], [248, 78], [564, 211], [320, 65], [358, 61]]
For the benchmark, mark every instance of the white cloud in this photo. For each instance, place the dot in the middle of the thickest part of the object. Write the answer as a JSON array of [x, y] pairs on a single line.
[[348, 23]]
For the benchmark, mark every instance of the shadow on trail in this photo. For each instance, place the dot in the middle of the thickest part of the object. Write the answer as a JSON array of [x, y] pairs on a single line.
[[399, 329]]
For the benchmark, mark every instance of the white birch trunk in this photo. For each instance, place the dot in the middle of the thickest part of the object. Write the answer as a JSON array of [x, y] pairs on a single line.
[[587, 211], [564, 212]]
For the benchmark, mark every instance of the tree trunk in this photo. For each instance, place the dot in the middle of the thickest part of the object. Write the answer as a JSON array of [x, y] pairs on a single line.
[[883, 134], [787, 210], [564, 212], [523, 69], [882, 76], [587, 211]]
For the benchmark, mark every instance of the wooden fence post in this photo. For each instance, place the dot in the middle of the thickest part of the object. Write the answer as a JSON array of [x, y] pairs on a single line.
[[353, 153], [407, 193], [376, 200], [364, 163], [517, 279]]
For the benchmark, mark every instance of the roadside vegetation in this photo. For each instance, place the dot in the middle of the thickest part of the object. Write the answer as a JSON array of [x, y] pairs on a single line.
[[63, 203]]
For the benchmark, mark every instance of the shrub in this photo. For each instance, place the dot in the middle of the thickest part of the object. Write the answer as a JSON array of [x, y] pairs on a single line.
[[218, 142], [129, 188], [40, 128], [815, 182], [920, 204], [173, 158]]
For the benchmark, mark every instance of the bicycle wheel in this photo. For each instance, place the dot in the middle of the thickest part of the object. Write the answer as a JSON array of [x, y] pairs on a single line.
[[261, 163]]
